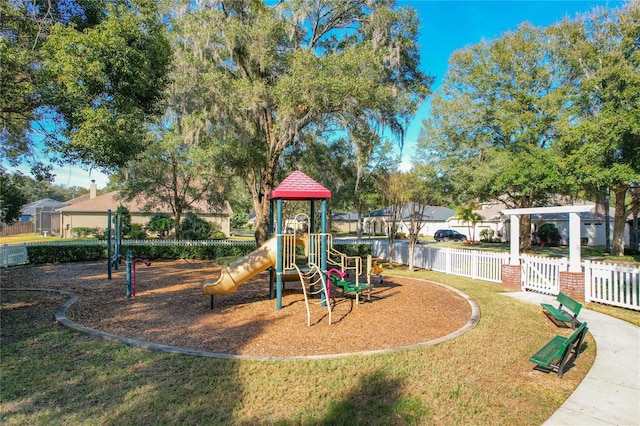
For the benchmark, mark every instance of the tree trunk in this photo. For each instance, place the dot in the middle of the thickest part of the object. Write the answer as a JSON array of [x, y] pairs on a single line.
[[412, 250], [259, 192], [525, 231], [620, 221]]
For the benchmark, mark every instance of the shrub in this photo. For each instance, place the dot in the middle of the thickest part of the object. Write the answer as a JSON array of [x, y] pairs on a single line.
[[151, 252], [137, 232], [194, 227], [488, 236], [239, 219], [218, 235], [125, 220], [84, 232], [548, 234], [161, 224], [66, 253]]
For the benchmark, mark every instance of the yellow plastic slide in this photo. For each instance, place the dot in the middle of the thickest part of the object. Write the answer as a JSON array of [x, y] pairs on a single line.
[[243, 270]]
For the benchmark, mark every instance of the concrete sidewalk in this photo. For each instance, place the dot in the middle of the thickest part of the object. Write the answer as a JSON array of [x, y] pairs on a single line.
[[610, 392]]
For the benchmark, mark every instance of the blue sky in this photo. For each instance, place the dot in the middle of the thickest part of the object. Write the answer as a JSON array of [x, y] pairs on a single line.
[[445, 27]]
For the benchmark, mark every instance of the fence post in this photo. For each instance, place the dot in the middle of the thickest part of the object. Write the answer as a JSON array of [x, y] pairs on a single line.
[[587, 280], [474, 265], [5, 255]]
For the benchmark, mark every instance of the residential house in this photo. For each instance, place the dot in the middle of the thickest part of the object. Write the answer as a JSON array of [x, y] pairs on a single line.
[[592, 223], [433, 218], [40, 216], [92, 212], [344, 222]]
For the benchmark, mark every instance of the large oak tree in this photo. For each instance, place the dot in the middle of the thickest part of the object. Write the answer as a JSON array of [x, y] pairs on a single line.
[[268, 75], [600, 54], [494, 120]]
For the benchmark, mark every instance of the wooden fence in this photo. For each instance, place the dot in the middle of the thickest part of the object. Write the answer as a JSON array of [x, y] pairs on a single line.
[[17, 228]]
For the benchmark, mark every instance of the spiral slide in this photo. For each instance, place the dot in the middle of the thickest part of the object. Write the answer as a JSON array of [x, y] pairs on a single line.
[[243, 270]]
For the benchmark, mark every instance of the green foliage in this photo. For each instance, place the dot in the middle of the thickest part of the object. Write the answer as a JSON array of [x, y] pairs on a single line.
[[239, 220], [601, 146], [137, 232], [125, 220], [106, 82], [487, 236], [51, 253], [187, 252], [194, 227], [39, 189], [361, 250], [465, 214], [85, 231], [11, 198], [161, 224], [296, 73], [548, 233], [218, 235], [95, 70], [494, 120]]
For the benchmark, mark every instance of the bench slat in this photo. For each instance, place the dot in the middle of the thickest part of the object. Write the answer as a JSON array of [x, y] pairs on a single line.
[[556, 312], [551, 351]]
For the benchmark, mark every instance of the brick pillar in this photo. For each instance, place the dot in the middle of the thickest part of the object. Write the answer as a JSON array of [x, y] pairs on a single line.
[[512, 277], [572, 284]]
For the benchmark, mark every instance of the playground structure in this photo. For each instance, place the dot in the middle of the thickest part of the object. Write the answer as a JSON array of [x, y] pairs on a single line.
[[302, 256]]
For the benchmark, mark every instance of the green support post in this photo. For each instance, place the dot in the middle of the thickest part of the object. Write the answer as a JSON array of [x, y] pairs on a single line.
[[129, 265]]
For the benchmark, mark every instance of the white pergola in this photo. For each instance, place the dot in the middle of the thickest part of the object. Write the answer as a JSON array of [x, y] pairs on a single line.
[[574, 231]]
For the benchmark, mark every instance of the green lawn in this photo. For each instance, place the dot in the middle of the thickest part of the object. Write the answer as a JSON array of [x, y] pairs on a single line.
[[50, 374]]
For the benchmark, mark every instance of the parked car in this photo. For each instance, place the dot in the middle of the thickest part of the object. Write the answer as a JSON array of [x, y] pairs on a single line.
[[448, 234]]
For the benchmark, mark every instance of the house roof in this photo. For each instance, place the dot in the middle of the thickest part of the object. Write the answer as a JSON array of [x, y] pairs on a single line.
[[493, 213], [46, 204], [345, 217], [429, 213], [112, 200], [82, 197], [298, 186]]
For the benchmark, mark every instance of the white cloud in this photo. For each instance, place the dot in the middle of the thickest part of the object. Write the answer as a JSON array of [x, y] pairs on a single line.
[[69, 176], [75, 176]]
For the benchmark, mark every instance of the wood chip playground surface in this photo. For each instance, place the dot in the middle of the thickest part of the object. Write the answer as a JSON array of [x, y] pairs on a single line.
[[169, 309]]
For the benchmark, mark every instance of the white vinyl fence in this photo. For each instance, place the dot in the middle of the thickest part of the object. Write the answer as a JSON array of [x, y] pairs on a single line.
[[467, 263], [15, 254], [149, 242], [542, 274], [613, 284]]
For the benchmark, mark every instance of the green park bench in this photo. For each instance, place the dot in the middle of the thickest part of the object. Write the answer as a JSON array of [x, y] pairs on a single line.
[[566, 312], [555, 355]]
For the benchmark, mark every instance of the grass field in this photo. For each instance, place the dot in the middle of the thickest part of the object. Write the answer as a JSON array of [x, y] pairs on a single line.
[[51, 374]]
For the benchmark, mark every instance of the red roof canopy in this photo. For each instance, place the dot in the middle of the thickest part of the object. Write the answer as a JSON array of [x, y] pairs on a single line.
[[298, 186]]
